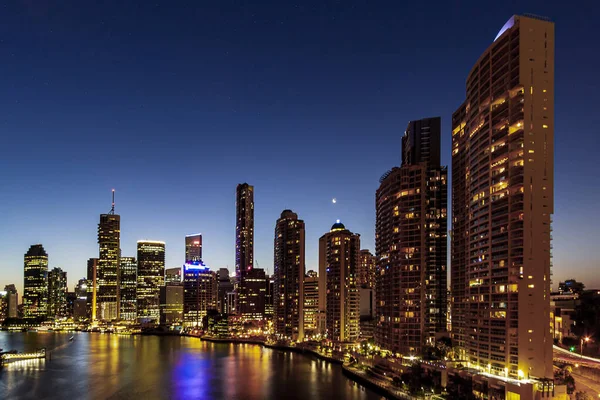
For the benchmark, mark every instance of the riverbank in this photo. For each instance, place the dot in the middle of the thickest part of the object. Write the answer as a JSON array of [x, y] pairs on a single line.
[[350, 372]]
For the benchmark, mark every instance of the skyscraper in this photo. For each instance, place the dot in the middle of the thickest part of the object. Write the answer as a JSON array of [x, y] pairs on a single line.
[[244, 242], [57, 293], [502, 202], [366, 271], [339, 257], [311, 304], [193, 247], [12, 301], [171, 303], [173, 275], [288, 310], [199, 292], [255, 281], [107, 274], [92, 288], [35, 285], [150, 277], [81, 297], [128, 289], [411, 226]]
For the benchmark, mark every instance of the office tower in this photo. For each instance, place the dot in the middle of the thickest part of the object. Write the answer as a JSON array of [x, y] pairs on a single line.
[[107, 274], [269, 296], [128, 289], [339, 258], [57, 293], [193, 247], [35, 284], [502, 202], [171, 303], [173, 275], [92, 289], [244, 242], [311, 304], [411, 226], [150, 277], [12, 301], [366, 271], [224, 286], [199, 292], [255, 282], [81, 299], [288, 313]]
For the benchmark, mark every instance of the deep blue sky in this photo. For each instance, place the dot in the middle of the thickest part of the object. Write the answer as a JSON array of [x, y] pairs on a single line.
[[174, 103]]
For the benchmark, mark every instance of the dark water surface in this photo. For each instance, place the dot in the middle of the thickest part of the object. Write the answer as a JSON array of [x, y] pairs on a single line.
[[98, 366]]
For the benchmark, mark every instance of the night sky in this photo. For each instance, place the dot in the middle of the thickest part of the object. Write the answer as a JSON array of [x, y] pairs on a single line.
[[175, 103]]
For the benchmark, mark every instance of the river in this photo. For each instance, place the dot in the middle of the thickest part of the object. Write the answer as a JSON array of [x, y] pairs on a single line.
[[102, 366]]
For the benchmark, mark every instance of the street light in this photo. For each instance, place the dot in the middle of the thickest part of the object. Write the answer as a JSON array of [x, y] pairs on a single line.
[[584, 339]]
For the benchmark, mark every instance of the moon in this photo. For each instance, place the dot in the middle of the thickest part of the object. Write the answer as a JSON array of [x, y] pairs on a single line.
[[334, 200]]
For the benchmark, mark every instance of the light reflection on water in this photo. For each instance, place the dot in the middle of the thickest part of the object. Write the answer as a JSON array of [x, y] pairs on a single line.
[[99, 366]]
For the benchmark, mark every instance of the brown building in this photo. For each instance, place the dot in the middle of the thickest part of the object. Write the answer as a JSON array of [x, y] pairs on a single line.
[[411, 226], [366, 271], [502, 177], [288, 310], [339, 258]]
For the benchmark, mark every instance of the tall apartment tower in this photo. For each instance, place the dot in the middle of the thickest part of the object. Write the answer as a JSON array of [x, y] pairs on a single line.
[[107, 274], [224, 286], [150, 277], [366, 270], [311, 304], [411, 225], [193, 247], [502, 202], [244, 243], [339, 258], [57, 293], [288, 310], [35, 283], [128, 289]]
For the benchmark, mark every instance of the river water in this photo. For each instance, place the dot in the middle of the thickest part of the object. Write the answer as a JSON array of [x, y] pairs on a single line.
[[99, 366]]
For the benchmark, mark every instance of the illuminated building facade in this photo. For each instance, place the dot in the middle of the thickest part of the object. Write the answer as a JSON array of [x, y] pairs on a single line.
[[339, 258], [256, 289], [81, 299], [193, 247], [35, 285], [107, 273], [150, 277], [171, 303], [200, 292], [366, 271], [244, 244], [173, 275], [411, 244], [311, 303], [288, 310], [128, 289], [269, 297], [57, 293], [92, 288], [503, 185]]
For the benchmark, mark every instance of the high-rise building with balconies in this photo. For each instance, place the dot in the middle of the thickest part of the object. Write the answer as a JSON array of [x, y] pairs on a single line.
[[288, 310], [502, 202], [339, 297], [411, 225]]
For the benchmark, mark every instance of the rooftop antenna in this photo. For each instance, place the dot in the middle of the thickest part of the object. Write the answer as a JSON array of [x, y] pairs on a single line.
[[112, 210]]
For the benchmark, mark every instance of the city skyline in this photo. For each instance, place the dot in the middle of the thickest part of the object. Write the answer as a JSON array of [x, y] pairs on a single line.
[[70, 207]]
